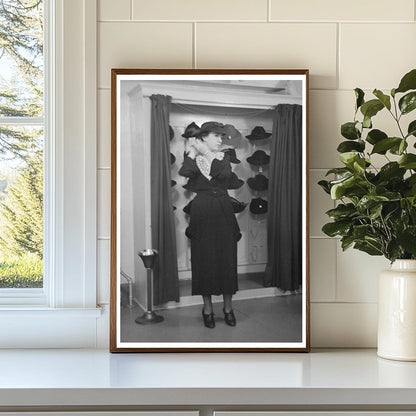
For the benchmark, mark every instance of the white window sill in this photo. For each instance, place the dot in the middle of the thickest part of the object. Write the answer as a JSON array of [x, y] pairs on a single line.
[[39, 311], [40, 327]]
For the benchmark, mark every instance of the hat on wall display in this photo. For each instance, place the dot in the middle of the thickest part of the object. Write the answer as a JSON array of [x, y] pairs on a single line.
[[191, 130], [258, 206], [171, 133], [230, 151], [172, 158], [232, 134], [258, 183], [238, 206], [258, 133], [234, 182], [259, 158], [172, 182]]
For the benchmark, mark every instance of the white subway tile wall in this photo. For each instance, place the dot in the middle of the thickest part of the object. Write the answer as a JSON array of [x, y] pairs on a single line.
[[345, 44], [104, 128], [270, 45], [200, 10], [355, 10]]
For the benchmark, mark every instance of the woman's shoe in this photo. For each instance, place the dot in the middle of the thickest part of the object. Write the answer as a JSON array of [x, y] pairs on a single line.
[[209, 320], [229, 318]]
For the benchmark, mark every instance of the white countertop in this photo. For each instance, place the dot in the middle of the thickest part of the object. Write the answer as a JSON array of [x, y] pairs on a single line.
[[96, 377]]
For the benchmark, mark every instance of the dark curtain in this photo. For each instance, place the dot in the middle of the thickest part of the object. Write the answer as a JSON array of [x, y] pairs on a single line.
[[166, 280], [284, 238]]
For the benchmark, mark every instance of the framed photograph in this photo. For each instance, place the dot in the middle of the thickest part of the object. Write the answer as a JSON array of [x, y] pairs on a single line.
[[209, 210]]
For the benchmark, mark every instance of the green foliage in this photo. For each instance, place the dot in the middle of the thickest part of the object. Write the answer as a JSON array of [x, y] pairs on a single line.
[[21, 89], [21, 213], [21, 95], [21, 271], [376, 211]]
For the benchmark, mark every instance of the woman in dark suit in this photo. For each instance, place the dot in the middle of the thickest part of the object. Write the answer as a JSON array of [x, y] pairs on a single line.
[[213, 228]]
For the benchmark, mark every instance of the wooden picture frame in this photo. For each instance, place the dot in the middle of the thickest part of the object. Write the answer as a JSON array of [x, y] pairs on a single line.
[[263, 116]]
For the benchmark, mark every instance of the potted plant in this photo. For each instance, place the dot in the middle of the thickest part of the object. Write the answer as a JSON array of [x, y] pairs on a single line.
[[376, 210]]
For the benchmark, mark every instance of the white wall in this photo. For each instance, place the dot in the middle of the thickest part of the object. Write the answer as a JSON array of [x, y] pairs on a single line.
[[344, 43]]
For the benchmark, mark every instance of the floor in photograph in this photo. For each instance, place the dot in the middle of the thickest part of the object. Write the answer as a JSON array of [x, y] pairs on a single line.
[[268, 319]]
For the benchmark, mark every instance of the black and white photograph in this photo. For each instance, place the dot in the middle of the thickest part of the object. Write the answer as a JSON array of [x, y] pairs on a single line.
[[209, 231]]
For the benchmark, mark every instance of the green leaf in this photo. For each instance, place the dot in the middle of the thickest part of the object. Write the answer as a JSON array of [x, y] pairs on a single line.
[[375, 136], [359, 94], [408, 102], [368, 248], [342, 211], [338, 171], [349, 131], [391, 170], [349, 146], [385, 144], [325, 186], [393, 250], [369, 201], [385, 99], [336, 228], [371, 108], [408, 82], [359, 165], [408, 161], [407, 239], [349, 158], [411, 130], [346, 242], [375, 211], [367, 122], [361, 231], [398, 149], [338, 189]]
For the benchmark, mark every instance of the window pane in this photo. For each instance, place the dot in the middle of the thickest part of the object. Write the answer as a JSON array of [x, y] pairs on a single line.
[[21, 207], [21, 58]]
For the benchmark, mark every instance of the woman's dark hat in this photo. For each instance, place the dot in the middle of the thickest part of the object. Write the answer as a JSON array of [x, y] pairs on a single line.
[[258, 206], [191, 130], [237, 205], [231, 153], [172, 158], [259, 158], [171, 133], [234, 182], [258, 133], [172, 182], [258, 183], [212, 126]]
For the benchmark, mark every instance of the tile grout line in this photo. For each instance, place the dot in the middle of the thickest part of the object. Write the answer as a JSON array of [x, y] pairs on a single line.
[[336, 272], [194, 62], [309, 22], [338, 63]]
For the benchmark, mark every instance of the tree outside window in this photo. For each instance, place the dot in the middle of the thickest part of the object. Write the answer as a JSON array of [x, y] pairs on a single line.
[[21, 143]]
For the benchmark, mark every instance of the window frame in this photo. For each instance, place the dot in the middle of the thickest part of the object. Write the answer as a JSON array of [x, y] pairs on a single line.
[[70, 209]]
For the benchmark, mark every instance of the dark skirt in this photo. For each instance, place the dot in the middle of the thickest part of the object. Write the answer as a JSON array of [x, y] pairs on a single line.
[[214, 233]]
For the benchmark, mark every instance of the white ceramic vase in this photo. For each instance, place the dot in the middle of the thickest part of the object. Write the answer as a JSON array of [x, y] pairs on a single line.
[[397, 312]]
